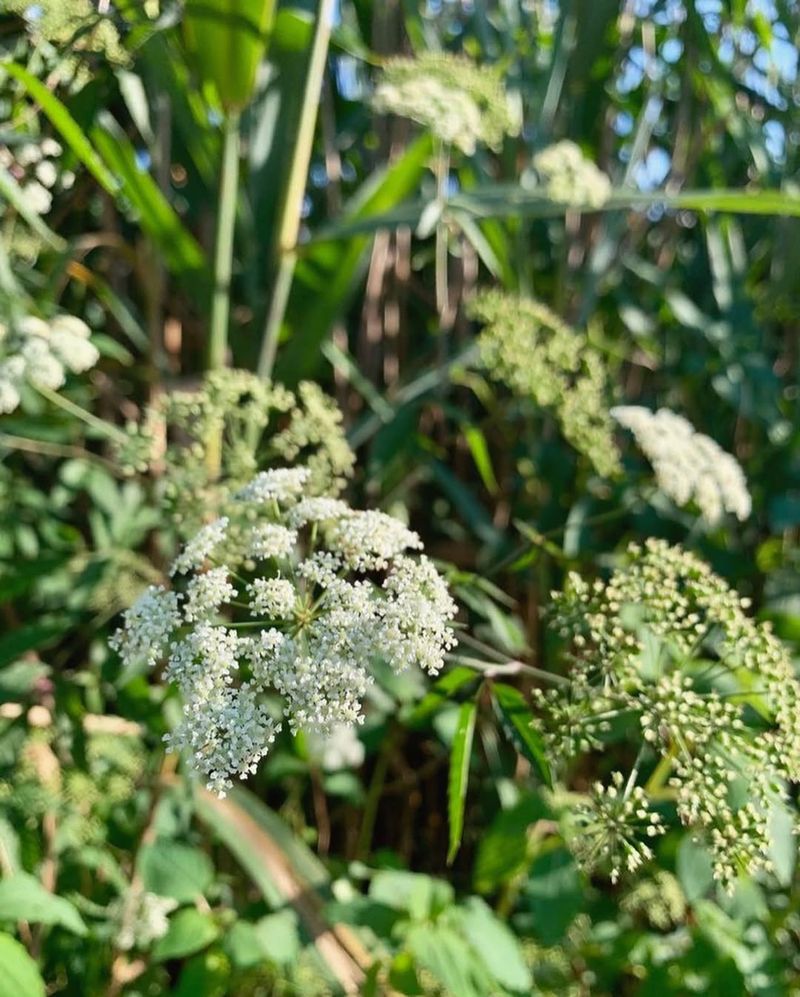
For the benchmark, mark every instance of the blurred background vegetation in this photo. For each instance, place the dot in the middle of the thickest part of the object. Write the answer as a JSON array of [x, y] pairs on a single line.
[[353, 258]]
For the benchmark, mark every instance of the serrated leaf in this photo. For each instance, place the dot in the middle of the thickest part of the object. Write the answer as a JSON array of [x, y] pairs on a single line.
[[519, 721], [459, 775]]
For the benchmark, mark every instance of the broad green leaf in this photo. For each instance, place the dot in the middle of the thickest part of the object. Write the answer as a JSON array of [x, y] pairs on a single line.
[[440, 693], [19, 974], [326, 275], [496, 945], [175, 870], [190, 930], [419, 895], [243, 945], [23, 898], [459, 776], [517, 716], [445, 954], [227, 39], [154, 212], [279, 936], [503, 850], [67, 127], [204, 975], [29, 638]]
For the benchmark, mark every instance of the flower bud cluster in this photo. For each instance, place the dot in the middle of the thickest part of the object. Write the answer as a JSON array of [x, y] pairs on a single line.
[[204, 444], [615, 826], [289, 595], [689, 466], [663, 654], [41, 352], [462, 104], [527, 347]]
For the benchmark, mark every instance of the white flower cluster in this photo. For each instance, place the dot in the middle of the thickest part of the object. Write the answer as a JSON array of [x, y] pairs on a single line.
[[291, 595], [34, 165], [41, 352], [664, 654], [141, 918], [688, 465], [461, 103], [569, 177], [342, 749]]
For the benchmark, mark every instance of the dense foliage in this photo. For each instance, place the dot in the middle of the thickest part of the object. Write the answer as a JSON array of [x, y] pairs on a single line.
[[399, 498]]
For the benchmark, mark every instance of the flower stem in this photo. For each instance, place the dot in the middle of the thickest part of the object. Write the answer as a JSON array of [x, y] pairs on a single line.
[[106, 429]]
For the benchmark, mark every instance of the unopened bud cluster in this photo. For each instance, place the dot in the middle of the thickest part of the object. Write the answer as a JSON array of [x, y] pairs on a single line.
[[527, 347], [664, 655], [202, 444]]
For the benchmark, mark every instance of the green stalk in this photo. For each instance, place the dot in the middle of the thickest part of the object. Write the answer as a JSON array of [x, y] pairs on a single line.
[[223, 245], [106, 429], [289, 225]]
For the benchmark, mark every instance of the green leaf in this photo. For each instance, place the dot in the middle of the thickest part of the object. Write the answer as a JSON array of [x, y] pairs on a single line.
[[459, 775], [227, 39], [441, 692], [503, 850], [479, 449], [153, 211], [175, 870], [694, 868], [518, 719], [421, 896], [190, 930], [279, 936], [29, 638], [19, 974], [516, 201], [326, 275], [23, 898], [67, 127], [496, 945]]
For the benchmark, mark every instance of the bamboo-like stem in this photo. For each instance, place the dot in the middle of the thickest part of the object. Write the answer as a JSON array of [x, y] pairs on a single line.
[[223, 244], [289, 225], [443, 307]]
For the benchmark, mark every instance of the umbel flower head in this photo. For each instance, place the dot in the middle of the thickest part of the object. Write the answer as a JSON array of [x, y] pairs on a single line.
[[256, 422], [462, 104], [689, 466], [568, 177], [527, 347], [41, 352], [291, 595], [663, 654]]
